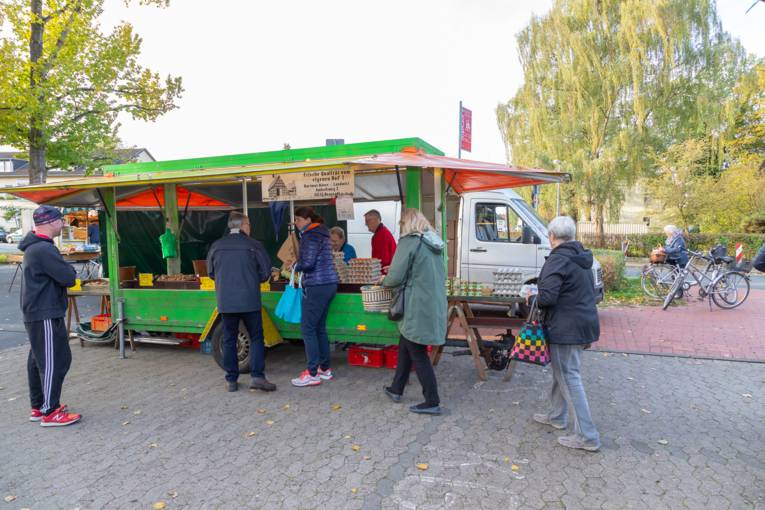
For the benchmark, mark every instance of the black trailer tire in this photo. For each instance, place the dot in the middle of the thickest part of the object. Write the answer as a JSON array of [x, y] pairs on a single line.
[[242, 346]]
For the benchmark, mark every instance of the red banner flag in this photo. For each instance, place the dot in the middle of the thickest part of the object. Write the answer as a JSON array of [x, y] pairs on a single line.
[[466, 129]]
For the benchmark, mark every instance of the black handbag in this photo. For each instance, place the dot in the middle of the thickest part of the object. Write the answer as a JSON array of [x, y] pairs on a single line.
[[396, 309]]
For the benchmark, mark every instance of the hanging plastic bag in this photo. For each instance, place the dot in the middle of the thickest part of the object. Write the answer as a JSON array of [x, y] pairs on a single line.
[[169, 243], [289, 308]]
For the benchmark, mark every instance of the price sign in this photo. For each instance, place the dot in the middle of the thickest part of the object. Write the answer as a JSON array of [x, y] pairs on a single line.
[[145, 280]]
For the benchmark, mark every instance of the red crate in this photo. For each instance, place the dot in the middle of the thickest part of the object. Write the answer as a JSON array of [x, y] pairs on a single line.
[[391, 356], [366, 356], [101, 322]]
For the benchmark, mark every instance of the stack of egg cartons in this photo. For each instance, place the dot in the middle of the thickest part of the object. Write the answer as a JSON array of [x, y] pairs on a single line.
[[340, 266], [364, 271], [508, 282]]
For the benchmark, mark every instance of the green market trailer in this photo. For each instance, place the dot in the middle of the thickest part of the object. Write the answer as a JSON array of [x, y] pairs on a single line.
[[197, 194]]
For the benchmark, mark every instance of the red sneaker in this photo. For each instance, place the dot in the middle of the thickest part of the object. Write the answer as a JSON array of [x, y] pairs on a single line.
[[325, 375], [35, 415], [59, 418], [306, 379]]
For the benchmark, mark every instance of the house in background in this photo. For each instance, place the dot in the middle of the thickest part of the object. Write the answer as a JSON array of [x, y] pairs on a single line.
[[14, 171]]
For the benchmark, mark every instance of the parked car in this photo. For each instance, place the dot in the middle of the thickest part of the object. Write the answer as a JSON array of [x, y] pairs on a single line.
[[15, 237], [3, 235]]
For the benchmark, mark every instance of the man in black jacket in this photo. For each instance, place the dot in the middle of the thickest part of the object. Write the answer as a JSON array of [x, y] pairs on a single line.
[[239, 264], [570, 318], [46, 276]]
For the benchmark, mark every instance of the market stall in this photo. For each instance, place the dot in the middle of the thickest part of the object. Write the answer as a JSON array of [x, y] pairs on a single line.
[[175, 303]]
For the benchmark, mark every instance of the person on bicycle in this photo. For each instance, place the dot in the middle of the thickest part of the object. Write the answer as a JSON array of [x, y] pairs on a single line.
[[674, 247]]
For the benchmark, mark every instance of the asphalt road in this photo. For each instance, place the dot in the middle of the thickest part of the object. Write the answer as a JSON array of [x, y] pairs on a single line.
[[12, 332]]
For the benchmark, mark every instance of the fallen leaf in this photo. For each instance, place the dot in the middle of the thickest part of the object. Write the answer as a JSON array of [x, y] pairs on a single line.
[[9, 499], [262, 411], [746, 395], [159, 505], [336, 407], [516, 403], [286, 407], [366, 457], [354, 490], [646, 411], [123, 407], [630, 378], [605, 354], [491, 410], [11, 399], [153, 445], [269, 422], [507, 460], [422, 466], [346, 437], [515, 468], [663, 442], [172, 384], [172, 494], [2, 387], [355, 447], [137, 412], [125, 423], [625, 354], [252, 434]]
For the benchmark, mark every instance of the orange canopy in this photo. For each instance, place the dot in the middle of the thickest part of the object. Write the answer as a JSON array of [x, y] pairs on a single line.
[[465, 175], [149, 199]]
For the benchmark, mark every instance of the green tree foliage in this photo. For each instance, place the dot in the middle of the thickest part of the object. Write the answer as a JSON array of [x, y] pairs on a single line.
[[63, 82], [609, 85]]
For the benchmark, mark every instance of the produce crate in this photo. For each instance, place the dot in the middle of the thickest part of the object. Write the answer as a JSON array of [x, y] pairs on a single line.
[[366, 356], [391, 356], [101, 322], [176, 285]]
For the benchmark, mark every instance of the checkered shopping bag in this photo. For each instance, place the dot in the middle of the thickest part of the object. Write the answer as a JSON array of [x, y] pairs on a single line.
[[531, 343]]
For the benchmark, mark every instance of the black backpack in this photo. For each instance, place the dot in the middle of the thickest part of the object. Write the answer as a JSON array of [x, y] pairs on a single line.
[[759, 260]]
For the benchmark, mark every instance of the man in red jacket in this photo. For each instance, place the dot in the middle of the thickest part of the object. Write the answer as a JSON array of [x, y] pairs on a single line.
[[383, 242]]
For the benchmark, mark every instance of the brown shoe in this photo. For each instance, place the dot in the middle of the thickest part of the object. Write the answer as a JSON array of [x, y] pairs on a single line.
[[262, 384]]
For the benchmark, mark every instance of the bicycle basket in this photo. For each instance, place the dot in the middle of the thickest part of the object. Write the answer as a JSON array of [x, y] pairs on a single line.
[[658, 256], [718, 251]]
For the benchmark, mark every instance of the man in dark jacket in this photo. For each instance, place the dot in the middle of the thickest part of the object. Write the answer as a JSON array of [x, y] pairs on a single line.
[[239, 264], [759, 259], [46, 276], [570, 317]]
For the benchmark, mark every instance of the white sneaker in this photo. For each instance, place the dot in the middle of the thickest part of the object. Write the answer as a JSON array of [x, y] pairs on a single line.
[[306, 379], [578, 442], [544, 419], [325, 375]]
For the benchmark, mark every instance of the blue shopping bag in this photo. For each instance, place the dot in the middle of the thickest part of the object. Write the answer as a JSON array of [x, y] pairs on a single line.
[[290, 304]]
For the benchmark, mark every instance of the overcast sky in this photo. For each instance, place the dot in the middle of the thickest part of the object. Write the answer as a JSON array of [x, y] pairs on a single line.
[[259, 74]]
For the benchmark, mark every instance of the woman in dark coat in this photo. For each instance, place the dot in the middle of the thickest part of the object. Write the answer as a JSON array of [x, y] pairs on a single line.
[[570, 317], [316, 262]]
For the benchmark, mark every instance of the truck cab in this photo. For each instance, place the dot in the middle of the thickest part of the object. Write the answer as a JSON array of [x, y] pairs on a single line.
[[496, 229]]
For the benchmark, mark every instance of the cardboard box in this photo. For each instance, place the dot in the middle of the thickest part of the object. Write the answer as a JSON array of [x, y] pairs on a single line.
[[289, 249]]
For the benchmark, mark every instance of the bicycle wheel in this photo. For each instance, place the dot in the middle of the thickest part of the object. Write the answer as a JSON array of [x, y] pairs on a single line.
[[673, 291], [730, 290], [656, 280]]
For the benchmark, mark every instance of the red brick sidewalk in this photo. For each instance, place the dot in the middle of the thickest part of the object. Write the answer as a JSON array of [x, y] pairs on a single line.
[[688, 330]]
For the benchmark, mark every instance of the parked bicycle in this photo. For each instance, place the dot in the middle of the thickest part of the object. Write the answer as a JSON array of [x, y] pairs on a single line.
[[726, 288], [657, 277]]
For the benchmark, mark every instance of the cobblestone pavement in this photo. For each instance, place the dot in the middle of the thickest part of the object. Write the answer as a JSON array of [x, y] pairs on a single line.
[[677, 433]]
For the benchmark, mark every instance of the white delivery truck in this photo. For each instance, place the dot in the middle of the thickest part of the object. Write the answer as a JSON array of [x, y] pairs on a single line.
[[487, 230]]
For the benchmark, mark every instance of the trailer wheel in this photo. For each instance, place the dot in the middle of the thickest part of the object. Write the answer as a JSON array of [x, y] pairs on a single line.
[[242, 347]]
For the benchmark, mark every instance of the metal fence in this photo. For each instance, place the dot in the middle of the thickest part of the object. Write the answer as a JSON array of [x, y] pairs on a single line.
[[588, 229]]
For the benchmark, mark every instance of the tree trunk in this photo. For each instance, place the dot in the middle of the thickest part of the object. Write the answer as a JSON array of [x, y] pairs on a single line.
[[600, 233], [37, 169]]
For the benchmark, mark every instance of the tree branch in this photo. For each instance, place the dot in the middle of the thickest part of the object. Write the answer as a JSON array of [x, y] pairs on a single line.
[[60, 41], [120, 108], [59, 12]]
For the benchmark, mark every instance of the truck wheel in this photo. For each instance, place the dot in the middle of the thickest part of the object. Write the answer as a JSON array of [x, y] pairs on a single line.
[[242, 347]]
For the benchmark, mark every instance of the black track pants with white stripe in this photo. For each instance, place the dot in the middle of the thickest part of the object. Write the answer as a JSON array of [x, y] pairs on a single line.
[[48, 362]]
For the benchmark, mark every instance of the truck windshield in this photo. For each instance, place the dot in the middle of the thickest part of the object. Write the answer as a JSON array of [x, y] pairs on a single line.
[[531, 215]]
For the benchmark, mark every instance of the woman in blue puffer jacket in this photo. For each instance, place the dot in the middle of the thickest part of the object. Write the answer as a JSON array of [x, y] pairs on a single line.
[[320, 280]]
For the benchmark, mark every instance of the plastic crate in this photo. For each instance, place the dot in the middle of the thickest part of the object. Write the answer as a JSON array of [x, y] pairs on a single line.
[[391, 356], [366, 356], [101, 322]]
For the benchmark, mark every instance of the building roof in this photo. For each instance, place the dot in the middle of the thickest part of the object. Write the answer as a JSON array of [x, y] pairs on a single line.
[[21, 166]]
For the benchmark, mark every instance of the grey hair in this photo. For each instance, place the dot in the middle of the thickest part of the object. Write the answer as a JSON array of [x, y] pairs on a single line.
[[374, 213], [236, 219], [670, 229], [563, 228], [339, 231]]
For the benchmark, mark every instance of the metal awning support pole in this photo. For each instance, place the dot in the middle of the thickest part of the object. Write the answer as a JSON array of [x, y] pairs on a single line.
[[438, 199], [121, 325], [400, 190], [245, 202], [171, 220]]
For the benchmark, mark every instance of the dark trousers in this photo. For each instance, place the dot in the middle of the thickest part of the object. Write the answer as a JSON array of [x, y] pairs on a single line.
[[313, 325], [48, 362], [253, 323], [408, 353]]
